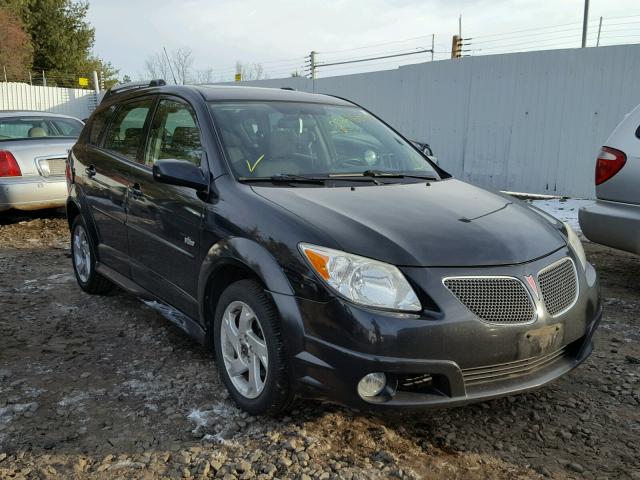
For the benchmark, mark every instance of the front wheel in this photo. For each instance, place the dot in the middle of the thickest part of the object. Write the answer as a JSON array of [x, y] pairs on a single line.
[[83, 254], [249, 349]]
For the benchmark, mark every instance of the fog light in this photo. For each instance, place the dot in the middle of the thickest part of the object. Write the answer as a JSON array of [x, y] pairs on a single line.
[[372, 384]]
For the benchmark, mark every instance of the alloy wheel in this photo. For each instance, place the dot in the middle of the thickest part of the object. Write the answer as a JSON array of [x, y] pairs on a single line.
[[81, 253], [244, 349]]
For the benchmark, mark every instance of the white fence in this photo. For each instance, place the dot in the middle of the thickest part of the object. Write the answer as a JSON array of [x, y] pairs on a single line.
[[69, 101], [529, 122]]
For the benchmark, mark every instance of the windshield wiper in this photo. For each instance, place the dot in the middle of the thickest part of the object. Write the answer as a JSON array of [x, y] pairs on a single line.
[[284, 178], [382, 174]]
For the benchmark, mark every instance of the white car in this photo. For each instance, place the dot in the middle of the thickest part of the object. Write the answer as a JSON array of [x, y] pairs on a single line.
[[33, 155]]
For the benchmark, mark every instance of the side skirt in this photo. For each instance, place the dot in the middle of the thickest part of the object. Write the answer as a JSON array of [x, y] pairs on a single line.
[[175, 316]]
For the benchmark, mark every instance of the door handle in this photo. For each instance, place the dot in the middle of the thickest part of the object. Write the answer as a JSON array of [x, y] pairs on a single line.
[[136, 190], [90, 171]]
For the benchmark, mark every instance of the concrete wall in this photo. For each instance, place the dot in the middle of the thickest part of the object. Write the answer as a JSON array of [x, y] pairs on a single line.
[[530, 122], [69, 101]]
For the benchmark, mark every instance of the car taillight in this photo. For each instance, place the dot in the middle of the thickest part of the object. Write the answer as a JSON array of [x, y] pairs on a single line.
[[8, 165], [68, 173], [610, 161]]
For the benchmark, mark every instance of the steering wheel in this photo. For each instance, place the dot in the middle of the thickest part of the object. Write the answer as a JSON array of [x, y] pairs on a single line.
[[351, 162]]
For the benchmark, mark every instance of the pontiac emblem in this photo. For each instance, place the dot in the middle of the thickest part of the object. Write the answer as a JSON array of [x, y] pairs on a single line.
[[532, 284]]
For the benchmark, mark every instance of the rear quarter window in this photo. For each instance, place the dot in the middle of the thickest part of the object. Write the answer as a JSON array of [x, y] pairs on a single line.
[[98, 124]]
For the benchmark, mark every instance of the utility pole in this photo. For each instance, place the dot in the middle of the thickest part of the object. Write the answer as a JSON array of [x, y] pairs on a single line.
[[96, 83], [433, 42], [599, 29], [312, 63], [585, 21], [456, 46], [44, 80], [4, 69], [30, 81]]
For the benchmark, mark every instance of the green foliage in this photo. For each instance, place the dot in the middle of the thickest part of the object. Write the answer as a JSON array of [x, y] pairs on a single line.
[[62, 39], [16, 52]]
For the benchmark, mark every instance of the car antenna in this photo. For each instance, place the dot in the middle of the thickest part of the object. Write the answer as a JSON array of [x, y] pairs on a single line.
[[170, 67]]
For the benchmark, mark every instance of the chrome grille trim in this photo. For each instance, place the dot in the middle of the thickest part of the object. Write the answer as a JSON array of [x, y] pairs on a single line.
[[494, 299], [504, 371], [559, 286]]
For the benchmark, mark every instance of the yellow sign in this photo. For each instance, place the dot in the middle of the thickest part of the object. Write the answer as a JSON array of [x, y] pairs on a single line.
[[83, 82], [238, 77]]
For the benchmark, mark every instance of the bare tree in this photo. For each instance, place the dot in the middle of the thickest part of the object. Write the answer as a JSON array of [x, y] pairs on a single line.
[[182, 62], [176, 66], [251, 71], [157, 66], [204, 76]]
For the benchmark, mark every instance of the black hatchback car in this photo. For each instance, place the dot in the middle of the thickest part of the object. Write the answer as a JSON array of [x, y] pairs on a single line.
[[319, 253]]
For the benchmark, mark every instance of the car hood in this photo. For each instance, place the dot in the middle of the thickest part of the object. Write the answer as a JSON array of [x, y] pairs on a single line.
[[446, 223], [26, 151]]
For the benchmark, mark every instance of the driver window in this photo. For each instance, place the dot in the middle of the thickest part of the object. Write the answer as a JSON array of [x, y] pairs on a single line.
[[174, 134]]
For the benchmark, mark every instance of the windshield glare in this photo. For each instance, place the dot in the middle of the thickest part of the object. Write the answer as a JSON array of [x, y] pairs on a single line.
[[32, 127], [263, 139]]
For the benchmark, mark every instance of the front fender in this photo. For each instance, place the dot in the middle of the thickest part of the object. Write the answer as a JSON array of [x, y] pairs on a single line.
[[248, 253]]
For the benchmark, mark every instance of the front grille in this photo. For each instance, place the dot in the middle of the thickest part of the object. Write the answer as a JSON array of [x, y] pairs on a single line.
[[559, 286], [504, 371], [52, 167], [494, 299]]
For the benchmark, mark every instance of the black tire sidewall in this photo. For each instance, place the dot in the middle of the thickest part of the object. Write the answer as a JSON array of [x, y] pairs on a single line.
[[273, 398]]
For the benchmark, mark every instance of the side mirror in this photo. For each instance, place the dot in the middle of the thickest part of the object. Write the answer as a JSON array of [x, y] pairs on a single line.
[[180, 173]]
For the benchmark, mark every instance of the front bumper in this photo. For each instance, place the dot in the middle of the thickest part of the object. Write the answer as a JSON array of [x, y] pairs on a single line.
[[613, 224], [456, 357], [32, 192]]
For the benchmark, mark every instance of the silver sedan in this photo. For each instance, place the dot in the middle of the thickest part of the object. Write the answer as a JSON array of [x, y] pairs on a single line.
[[33, 154], [614, 219]]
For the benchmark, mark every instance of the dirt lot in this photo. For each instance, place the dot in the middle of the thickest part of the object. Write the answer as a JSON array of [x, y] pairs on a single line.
[[105, 387]]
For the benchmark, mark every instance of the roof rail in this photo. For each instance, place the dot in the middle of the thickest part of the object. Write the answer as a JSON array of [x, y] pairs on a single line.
[[123, 87]]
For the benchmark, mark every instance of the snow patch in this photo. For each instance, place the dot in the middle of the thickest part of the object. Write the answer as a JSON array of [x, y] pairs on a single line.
[[74, 399], [199, 417], [564, 209]]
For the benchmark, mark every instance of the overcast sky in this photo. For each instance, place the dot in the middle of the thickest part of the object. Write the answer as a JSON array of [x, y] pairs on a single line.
[[279, 33]]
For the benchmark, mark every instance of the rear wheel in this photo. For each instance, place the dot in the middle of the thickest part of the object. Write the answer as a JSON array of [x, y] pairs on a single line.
[[249, 349], [84, 260]]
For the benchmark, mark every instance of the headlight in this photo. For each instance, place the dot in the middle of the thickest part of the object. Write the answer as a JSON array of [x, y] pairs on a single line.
[[576, 245], [362, 280], [572, 238]]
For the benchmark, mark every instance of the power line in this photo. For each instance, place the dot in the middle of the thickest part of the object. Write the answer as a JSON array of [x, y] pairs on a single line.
[[380, 44]]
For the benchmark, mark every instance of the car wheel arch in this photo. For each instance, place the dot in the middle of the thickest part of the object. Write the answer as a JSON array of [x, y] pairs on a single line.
[[74, 208], [231, 260]]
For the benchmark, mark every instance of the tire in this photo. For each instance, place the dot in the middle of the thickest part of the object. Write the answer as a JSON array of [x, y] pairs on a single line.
[[83, 258], [257, 330]]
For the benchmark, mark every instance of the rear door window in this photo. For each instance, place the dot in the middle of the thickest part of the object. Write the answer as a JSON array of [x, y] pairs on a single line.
[[126, 131]]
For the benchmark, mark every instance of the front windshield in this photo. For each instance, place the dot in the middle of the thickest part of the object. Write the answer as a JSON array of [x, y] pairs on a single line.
[[33, 127], [265, 139]]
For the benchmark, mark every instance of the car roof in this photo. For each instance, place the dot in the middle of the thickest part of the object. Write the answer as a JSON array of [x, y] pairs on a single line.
[[32, 113], [214, 93]]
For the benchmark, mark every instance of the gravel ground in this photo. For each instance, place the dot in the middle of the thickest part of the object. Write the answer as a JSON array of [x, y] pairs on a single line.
[[105, 387]]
